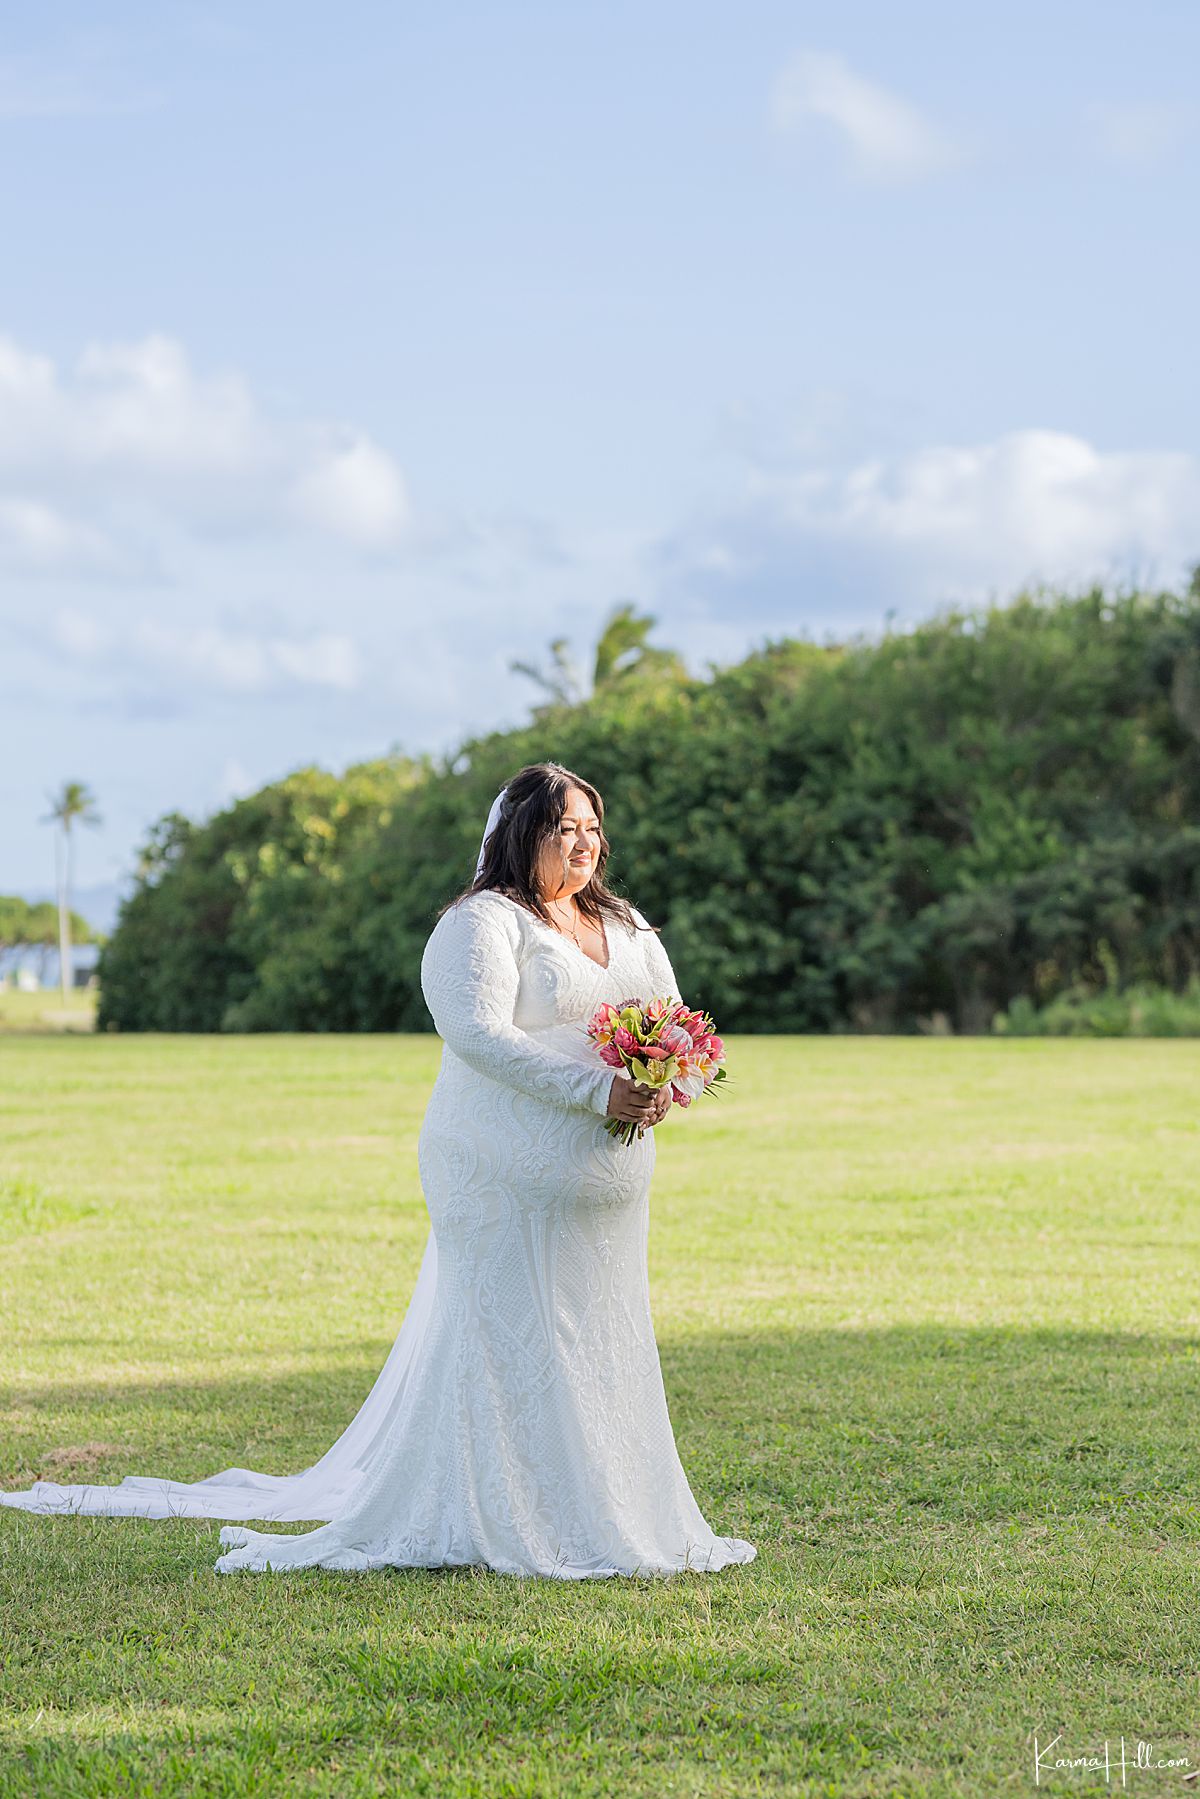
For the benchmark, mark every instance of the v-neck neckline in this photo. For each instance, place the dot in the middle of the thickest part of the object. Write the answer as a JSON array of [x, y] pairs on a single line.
[[562, 935]]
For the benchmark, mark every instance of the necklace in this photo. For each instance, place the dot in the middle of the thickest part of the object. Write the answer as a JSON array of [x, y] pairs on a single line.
[[573, 932]]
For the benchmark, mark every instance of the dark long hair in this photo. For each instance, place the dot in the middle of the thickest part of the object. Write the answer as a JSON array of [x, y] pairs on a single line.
[[534, 802]]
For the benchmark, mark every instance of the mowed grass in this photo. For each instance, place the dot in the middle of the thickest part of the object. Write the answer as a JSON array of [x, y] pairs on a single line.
[[45, 1011], [928, 1315]]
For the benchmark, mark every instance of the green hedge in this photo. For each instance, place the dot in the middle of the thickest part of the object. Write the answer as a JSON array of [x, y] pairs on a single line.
[[851, 837]]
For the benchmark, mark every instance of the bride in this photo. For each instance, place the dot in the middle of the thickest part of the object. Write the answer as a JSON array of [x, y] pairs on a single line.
[[519, 1421]]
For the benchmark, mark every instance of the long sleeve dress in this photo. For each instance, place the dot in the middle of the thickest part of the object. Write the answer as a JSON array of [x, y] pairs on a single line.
[[520, 1421]]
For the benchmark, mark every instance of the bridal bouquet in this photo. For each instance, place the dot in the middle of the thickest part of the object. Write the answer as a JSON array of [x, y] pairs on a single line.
[[662, 1043]]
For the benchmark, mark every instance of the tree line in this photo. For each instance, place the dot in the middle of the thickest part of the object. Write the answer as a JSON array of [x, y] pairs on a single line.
[[31, 931], [998, 804]]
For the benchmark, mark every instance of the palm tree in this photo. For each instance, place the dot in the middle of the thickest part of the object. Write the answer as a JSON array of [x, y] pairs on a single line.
[[621, 651], [74, 803], [562, 682]]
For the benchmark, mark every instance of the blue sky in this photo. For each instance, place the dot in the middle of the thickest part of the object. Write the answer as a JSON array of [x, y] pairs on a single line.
[[347, 354]]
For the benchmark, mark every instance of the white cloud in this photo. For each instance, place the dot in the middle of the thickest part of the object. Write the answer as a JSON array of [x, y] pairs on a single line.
[[1042, 497], [134, 404], [209, 655], [324, 660], [133, 431], [357, 492], [1139, 136], [79, 634], [36, 538], [888, 138], [955, 521]]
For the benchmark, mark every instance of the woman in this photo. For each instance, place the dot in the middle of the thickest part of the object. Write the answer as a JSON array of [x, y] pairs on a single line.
[[520, 1420]]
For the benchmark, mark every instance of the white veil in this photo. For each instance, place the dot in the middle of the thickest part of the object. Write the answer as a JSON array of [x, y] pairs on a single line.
[[493, 819], [318, 1493]]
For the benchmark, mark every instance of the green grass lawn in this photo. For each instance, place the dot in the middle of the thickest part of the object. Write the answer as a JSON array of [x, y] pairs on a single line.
[[928, 1319], [45, 1011]]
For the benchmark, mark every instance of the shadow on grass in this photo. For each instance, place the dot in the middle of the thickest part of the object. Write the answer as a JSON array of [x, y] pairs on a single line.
[[779, 1432]]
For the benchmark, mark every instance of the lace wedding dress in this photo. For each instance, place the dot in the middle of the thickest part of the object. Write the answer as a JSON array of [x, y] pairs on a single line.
[[520, 1420]]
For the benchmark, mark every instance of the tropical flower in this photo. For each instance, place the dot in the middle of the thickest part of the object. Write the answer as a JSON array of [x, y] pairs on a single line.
[[663, 1044]]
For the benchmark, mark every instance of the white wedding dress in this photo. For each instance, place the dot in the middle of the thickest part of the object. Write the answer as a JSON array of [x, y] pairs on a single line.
[[520, 1420]]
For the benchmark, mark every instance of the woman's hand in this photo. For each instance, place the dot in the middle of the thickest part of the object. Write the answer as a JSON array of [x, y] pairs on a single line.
[[631, 1103], [635, 1104], [662, 1105]]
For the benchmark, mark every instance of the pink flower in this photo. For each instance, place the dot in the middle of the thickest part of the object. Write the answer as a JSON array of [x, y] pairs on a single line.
[[671, 1046], [696, 1072], [600, 1025]]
